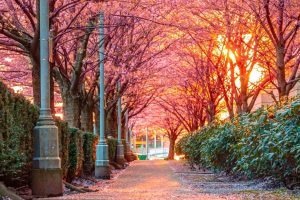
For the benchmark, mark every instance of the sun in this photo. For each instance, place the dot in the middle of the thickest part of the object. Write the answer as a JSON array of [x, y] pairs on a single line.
[[256, 74]]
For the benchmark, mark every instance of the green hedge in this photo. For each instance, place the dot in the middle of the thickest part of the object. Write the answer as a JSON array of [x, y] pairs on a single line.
[[112, 148], [17, 120], [89, 141], [75, 153], [64, 135], [263, 143]]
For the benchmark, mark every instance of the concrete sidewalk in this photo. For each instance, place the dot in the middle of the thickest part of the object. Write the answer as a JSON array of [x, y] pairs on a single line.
[[145, 180]]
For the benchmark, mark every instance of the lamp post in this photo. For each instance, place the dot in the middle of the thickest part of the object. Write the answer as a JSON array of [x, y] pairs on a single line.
[[46, 173], [120, 147], [127, 153], [102, 162]]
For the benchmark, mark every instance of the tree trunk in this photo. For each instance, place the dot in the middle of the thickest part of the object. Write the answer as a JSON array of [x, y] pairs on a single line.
[[87, 118], [36, 87], [123, 130], [111, 123], [281, 72], [72, 110], [52, 97], [238, 104], [97, 120], [171, 149], [244, 90], [211, 112]]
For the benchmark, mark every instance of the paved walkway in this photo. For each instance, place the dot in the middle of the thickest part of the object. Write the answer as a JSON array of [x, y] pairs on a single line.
[[145, 180]]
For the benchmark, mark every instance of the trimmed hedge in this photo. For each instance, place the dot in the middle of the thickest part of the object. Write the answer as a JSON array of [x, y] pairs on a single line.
[[263, 143], [64, 135], [112, 148], [75, 153], [17, 120], [89, 146]]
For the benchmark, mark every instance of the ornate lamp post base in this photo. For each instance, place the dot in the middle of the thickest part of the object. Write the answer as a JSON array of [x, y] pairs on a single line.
[[46, 177], [120, 154], [102, 169]]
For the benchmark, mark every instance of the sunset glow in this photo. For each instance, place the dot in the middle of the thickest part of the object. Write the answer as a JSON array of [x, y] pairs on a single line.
[[178, 157], [188, 94], [18, 89], [8, 59], [256, 74]]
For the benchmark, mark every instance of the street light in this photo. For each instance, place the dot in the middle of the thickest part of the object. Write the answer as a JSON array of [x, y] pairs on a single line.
[[46, 173], [102, 162]]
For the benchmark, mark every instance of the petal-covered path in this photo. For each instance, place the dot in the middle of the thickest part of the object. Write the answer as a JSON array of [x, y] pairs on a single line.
[[170, 180], [145, 180]]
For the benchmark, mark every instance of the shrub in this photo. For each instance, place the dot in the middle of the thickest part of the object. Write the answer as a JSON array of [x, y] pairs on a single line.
[[64, 136], [273, 147], [112, 148], [89, 140], [75, 154], [17, 120], [217, 149], [262, 143]]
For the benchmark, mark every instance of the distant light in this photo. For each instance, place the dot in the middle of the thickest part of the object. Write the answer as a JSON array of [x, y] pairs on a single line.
[[224, 115], [60, 115], [8, 59], [17, 89], [58, 105], [178, 157]]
